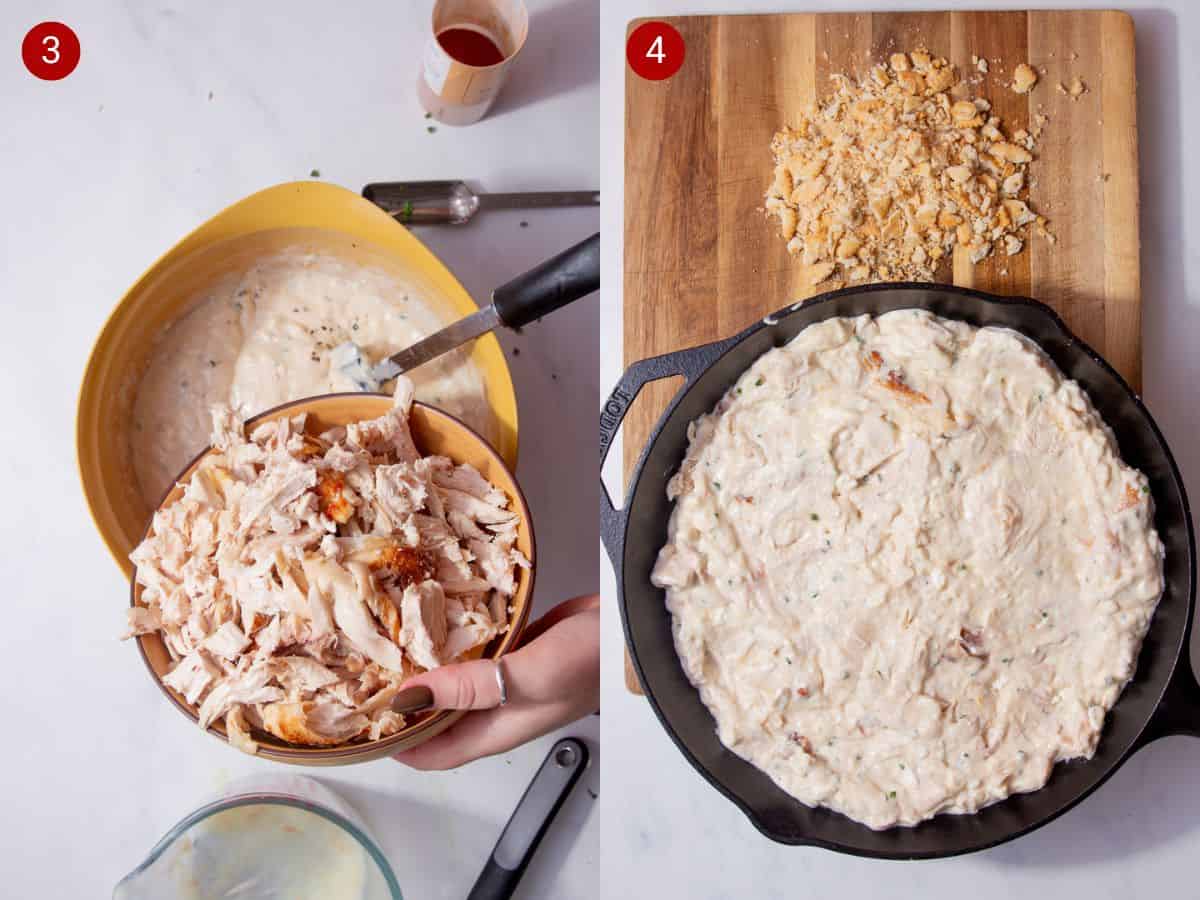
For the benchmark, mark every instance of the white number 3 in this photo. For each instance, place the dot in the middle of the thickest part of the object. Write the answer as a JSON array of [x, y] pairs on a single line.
[[51, 56], [656, 50]]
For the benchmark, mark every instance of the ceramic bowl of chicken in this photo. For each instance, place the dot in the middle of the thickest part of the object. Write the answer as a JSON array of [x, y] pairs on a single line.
[[206, 317], [435, 434]]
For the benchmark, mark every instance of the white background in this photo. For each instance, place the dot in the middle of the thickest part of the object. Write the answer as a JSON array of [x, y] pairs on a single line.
[[1139, 835], [104, 171]]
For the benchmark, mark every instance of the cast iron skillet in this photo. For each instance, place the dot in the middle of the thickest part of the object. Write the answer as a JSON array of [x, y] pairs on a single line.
[[1163, 697]]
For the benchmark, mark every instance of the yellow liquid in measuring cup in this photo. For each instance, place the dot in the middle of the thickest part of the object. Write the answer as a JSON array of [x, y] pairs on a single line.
[[258, 852]]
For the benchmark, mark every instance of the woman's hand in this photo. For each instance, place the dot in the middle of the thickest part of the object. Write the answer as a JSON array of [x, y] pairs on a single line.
[[552, 680]]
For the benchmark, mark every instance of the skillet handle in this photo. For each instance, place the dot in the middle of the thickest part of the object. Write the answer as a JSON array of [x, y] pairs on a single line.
[[1179, 710], [691, 364]]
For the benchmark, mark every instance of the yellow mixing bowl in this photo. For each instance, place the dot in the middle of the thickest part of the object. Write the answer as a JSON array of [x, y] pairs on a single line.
[[330, 217]]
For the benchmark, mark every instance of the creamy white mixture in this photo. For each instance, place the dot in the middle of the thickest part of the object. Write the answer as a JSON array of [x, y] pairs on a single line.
[[263, 337], [907, 569]]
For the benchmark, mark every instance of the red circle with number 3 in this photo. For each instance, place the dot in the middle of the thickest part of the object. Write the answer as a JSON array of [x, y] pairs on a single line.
[[655, 50], [50, 51]]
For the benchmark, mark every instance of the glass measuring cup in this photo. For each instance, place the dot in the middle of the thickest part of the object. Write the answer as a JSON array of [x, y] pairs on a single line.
[[268, 837]]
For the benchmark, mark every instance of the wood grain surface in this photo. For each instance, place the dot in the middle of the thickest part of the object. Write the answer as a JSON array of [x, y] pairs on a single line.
[[701, 259]]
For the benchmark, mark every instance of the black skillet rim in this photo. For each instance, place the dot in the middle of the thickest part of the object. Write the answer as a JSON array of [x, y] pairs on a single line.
[[726, 346]]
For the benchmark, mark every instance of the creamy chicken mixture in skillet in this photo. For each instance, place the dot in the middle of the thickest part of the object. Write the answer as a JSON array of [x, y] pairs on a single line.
[[263, 337], [907, 569], [299, 579]]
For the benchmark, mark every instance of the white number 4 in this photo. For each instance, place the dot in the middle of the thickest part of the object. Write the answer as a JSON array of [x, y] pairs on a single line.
[[656, 50], [51, 56]]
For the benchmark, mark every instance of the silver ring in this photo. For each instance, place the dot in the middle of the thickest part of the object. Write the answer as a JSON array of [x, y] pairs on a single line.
[[500, 683]]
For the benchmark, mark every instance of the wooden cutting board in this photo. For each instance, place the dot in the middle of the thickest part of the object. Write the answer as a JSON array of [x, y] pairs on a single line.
[[702, 261]]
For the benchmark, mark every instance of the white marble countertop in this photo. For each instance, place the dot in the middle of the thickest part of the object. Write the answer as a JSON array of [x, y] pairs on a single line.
[[176, 110], [1139, 835]]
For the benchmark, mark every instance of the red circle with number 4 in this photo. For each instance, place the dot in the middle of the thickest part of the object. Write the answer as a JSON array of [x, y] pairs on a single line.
[[655, 50], [50, 51]]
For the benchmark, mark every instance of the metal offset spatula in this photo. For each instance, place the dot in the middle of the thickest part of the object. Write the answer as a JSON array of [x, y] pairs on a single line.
[[454, 203], [572, 274]]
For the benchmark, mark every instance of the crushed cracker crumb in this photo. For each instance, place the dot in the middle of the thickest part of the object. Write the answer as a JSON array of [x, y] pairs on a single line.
[[1074, 89], [883, 179], [1024, 78]]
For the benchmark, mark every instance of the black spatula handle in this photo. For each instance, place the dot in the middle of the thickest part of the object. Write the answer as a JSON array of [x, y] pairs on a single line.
[[543, 798], [572, 274]]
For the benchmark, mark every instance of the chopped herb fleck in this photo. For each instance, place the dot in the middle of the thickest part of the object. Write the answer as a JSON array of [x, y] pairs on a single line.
[[901, 765], [429, 115], [1045, 615], [212, 363], [1038, 573], [406, 211], [717, 485], [432, 129], [760, 381], [891, 795], [1145, 488], [1006, 660], [814, 516], [315, 173], [814, 594]]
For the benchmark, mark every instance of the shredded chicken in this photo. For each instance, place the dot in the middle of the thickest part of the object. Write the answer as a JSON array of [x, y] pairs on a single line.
[[300, 579]]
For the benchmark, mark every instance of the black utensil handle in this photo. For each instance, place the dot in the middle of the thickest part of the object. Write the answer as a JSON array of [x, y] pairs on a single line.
[[572, 274], [494, 882], [691, 364], [528, 824]]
